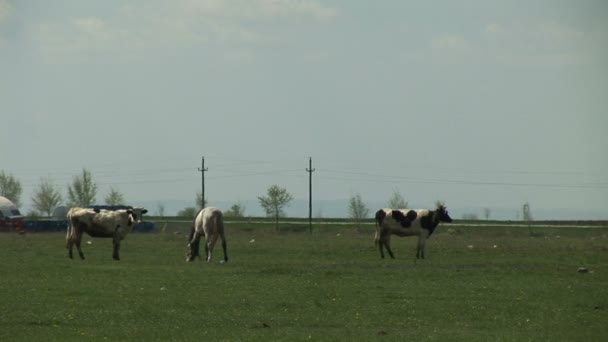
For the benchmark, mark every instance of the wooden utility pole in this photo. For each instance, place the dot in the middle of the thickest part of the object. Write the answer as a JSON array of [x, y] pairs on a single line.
[[310, 170], [202, 170]]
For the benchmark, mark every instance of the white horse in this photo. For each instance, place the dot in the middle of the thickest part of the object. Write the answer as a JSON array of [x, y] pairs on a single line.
[[209, 223]]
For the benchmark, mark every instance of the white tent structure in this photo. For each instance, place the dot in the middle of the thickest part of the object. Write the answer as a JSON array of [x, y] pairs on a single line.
[[8, 209], [10, 217]]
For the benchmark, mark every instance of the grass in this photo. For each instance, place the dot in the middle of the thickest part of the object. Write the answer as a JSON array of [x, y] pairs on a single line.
[[330, 285]]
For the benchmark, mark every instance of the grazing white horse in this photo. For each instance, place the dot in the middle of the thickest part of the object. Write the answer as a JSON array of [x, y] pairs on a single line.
[[209, 223]]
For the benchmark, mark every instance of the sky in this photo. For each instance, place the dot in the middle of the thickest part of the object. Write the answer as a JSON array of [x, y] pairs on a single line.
[[476, 103]]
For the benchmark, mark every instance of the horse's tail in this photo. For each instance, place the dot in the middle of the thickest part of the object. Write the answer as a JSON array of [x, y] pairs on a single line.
[[218, 219]]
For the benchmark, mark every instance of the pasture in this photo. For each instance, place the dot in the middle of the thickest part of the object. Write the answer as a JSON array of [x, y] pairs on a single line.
[[477, 284]]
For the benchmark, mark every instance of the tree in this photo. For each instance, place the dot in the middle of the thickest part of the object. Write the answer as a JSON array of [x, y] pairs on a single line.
[[83, 190], [199, 200], [114, 197], [273, 203], [486, 213], [357, 210], [160, 210], [237, 210], [46, 197], [10, 188], [187, 212], [397, 201], [470, 217]]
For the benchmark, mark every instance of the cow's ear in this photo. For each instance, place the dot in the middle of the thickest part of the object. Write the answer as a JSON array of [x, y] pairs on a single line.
[[144, 211]]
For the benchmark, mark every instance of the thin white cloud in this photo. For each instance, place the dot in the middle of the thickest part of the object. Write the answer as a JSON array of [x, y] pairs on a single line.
[[450, 48], [263, 9], [547, 43], [176, 24], [5, 10]]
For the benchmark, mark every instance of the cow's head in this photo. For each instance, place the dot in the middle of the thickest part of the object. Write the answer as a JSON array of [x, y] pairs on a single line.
[[442, 213], [138, 214]]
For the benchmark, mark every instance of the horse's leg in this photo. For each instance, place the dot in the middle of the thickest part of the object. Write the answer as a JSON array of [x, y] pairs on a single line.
[[194, 246], [210, 245], [224, 247]]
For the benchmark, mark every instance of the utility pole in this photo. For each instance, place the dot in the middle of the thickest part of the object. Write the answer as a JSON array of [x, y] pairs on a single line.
[[310, 170], [202, 170]]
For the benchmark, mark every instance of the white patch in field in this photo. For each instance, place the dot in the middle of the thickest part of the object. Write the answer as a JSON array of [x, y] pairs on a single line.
[[252, 241], [470, 246], [222, 262], [89, 242]]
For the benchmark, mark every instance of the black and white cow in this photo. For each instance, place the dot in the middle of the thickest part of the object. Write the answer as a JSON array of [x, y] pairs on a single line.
[[408, 222]]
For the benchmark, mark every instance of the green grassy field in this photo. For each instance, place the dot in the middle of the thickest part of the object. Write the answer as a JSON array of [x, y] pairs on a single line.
[[477, 284]]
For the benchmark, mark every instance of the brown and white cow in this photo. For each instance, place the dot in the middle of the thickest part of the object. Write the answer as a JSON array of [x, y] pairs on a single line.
[[408, 222], [100, 223]]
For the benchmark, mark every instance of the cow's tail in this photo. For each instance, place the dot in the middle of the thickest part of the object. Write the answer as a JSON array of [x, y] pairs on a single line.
[[69, 229]]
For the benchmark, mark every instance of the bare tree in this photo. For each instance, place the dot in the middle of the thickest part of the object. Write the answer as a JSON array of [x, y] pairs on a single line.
[[160, 209], [397, 201], [273, 203], [199, 200], [46, 197], [357, 210], [114, 197], [470, 217], [486, 213], [82, 191], [10, 188]]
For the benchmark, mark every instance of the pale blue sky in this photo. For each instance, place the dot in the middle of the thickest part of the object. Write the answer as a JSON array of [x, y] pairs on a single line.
[[478, 103]]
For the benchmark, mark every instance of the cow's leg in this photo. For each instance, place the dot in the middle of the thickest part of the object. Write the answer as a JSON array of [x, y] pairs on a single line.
[[420, 249], [387, 244], [69, 245], [377, 236], [78, 240], [68, 241], [380, 244], [116, 248], [385, 240]]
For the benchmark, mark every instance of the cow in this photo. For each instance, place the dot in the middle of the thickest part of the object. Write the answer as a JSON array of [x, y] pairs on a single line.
[[100, 223], [209, 223], [408, 222]]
